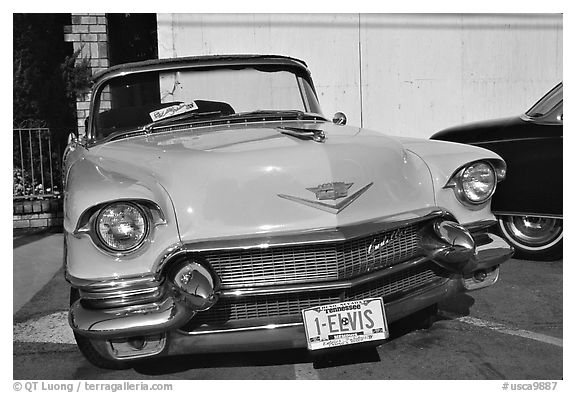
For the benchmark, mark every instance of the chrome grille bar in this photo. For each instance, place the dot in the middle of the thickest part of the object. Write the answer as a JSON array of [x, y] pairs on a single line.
[[273, 306], [284, 265], [322, 285]]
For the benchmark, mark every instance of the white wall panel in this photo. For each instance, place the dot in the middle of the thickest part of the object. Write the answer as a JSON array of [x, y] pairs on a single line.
[[402, 74], [327, 43]]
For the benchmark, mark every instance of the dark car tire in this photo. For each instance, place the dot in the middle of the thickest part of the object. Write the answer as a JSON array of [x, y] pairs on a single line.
[[533, 238], [90, 352]]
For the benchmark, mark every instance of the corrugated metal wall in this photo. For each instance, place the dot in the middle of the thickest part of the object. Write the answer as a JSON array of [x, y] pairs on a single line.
[[402, 74]]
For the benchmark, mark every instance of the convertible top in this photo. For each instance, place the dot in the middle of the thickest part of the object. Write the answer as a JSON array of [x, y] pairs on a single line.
[[207, 60]]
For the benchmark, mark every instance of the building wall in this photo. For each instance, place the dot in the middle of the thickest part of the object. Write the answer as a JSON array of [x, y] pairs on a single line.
[[401, 74], [89, 35]]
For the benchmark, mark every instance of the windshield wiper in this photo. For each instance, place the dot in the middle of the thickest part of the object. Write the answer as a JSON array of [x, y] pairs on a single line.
[[299, 115], [176, 118]]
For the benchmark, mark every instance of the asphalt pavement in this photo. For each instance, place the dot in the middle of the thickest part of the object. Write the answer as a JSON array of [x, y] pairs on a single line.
[[512, 330], [37, 257]]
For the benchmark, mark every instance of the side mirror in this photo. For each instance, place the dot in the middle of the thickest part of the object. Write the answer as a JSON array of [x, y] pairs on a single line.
[[339, 118]]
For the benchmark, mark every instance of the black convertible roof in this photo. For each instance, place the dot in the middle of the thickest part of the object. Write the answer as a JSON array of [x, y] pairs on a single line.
[[198, 60]]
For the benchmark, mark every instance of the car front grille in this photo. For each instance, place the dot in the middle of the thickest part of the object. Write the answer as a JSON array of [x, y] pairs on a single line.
[[314, 262], [271, 306]]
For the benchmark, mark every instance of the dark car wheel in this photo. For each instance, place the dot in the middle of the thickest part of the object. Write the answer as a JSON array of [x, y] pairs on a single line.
[[533, 237], [88, 347]]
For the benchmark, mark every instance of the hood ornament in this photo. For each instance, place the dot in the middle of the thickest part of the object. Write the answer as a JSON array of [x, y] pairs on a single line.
[[330, 191]]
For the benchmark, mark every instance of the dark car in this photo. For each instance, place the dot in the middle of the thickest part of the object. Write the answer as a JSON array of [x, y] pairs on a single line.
[[529, 203]]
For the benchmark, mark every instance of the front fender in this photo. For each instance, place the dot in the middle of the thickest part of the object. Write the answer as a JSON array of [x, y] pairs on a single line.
[[93, 181], [443, 160]]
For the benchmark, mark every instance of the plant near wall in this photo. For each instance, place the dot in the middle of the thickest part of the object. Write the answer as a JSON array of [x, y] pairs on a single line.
[[77, 75]]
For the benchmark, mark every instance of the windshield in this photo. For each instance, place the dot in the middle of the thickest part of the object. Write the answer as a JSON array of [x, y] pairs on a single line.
[[547, 103], [145, 100]]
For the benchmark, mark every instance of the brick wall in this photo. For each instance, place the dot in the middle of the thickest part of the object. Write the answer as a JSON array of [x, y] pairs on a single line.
[[89, 34], [35, 214]]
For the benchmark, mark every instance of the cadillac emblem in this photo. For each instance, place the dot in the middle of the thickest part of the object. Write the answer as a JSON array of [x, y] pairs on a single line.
[[383, 240], [330, 192]]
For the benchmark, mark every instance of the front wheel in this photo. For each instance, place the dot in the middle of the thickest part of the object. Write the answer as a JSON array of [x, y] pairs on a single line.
[[538, 238]]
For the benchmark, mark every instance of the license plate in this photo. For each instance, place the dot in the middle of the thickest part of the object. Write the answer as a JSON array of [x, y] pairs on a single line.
[[346, 323]]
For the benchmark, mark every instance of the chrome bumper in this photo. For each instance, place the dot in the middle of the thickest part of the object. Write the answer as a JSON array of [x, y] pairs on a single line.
[[115, 316], [156, 317], [491, 250], [291, 335], [169, 314]]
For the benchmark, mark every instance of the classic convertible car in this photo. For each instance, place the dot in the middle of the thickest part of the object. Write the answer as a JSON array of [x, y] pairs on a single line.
[[529, 217], [212, 208]]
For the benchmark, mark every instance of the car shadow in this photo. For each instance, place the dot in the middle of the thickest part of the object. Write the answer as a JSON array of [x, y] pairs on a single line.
[[458, 305], [183, 363]]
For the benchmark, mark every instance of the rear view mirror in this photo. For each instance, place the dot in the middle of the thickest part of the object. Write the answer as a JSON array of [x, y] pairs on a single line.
[[339, 118]]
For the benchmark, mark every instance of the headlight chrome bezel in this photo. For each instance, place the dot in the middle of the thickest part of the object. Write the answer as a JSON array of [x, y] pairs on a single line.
[[456, 183], [145, 232], [88, 225]]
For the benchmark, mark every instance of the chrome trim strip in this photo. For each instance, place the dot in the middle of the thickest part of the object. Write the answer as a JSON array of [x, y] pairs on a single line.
[[106, 295], [243, 329], [124, 300], [556, 216], [320, 286], [479, 225], [491, 142], [108, 284]]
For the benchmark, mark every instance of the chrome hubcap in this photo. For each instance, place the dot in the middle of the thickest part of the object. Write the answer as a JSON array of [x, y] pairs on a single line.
[[533, 231]]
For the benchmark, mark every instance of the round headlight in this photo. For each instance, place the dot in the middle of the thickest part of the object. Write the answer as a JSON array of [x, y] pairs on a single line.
[[122, 226], [478, 182]]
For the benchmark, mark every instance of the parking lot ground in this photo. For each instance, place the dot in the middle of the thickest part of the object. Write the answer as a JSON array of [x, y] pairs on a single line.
[[512, 330], [37, 256]]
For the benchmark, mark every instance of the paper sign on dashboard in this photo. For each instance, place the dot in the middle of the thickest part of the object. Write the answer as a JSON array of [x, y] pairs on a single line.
[[173, 110]]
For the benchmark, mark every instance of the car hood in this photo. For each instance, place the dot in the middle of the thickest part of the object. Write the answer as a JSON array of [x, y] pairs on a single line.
[[226, 181]]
